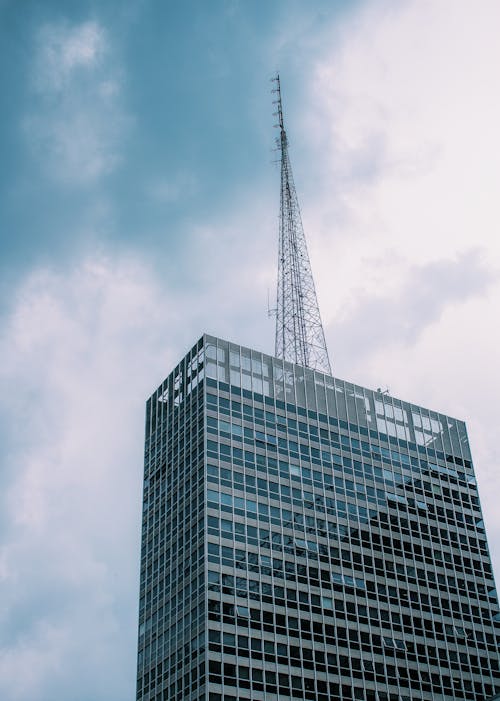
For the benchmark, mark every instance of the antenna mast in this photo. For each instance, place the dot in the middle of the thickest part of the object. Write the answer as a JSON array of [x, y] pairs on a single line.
[[299, 332]]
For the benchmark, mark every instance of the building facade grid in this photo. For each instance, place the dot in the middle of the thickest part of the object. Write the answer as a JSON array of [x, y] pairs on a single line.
[[307, 538]]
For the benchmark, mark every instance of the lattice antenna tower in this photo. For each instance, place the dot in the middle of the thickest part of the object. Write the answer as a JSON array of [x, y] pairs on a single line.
[[299, 332]]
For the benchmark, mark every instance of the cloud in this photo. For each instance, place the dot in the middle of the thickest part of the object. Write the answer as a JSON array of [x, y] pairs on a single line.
[[77, 121], [79, 354], [63, 50], [399, 318], [416, 106]]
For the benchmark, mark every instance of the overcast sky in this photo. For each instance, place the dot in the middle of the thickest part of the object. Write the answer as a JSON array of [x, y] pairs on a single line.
[[138, 208]]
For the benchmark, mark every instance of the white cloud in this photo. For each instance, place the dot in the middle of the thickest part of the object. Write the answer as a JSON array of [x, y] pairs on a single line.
[[407, 110], [77, 121], [398, 318], [403, 122], [79, 354], [63, 49]]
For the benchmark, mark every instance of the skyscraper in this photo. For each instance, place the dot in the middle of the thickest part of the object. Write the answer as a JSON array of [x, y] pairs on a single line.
[[307, 538], [304, 537]]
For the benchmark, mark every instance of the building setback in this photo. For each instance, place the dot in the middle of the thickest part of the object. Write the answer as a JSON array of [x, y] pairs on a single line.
[[307, 538]]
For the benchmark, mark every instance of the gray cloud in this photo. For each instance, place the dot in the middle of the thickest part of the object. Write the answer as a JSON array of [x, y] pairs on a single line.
[[374, 322], [77, 121], [78, 354]]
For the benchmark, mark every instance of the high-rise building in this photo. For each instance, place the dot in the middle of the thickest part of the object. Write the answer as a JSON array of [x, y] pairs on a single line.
[[304, 537], [307, 538]]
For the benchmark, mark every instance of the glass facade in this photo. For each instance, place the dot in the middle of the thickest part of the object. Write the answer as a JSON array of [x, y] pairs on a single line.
[[307, 538]]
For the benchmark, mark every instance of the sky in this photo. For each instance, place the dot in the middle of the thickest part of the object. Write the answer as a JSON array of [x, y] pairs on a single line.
[[139, 199]]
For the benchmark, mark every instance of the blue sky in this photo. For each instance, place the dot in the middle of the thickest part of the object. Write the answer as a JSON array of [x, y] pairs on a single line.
[[138, 208], [189, 113]]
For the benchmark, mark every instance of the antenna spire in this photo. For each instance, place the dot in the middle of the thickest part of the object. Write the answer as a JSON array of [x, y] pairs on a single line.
[[299, 332]]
